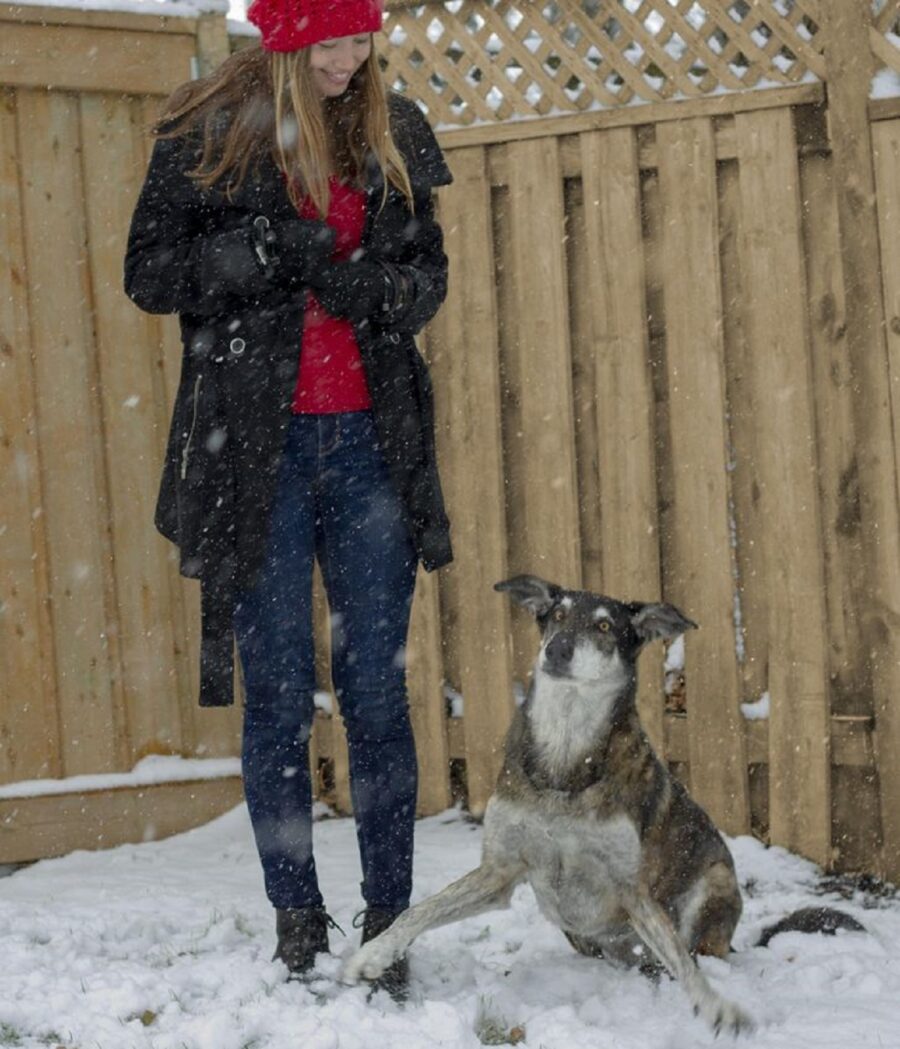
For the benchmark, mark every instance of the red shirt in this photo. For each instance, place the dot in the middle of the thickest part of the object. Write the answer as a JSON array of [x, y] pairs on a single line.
[[331, 376]]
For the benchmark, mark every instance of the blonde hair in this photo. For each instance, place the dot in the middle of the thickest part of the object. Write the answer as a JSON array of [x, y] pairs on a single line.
[[274, 108]]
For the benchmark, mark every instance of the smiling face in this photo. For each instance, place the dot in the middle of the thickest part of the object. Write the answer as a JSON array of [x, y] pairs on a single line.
[[333, 62]]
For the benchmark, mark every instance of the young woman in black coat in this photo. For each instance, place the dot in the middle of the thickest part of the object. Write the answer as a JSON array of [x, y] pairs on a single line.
[[287, 218]]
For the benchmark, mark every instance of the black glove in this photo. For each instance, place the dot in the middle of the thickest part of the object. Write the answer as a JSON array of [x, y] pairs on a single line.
[[253, 258], [361, 290], [290, 252]]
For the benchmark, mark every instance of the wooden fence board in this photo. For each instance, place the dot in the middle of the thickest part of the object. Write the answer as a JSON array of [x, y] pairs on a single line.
[[29, 732], [465, 360], [55, 824], [775, 320], [702, 577], [886, 151], [847, 32], [544, 442], [886, 154], [623, 389], [511, 408], [584, 369], [425, 682], [851, 685], [131, 442], [748, 520], [74, 498], [340, 754], [81, 58]]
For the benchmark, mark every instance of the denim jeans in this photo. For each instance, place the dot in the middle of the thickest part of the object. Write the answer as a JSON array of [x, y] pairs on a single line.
[[335, 503]]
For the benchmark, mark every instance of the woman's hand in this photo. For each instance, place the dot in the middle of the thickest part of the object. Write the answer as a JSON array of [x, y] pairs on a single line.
[[298, 250], [361, 290]]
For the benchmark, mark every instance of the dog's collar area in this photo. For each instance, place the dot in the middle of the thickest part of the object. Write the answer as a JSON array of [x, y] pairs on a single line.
[[584, 776]]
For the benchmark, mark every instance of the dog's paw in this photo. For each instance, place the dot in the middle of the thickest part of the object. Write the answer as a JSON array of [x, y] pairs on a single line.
[[370, 961], [725, 1017]]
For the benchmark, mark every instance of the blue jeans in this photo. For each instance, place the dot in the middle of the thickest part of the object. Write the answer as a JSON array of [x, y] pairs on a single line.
[[335, 503]]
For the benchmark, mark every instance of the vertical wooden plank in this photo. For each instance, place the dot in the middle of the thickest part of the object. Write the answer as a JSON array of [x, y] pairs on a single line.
[[543, 440], [131, 441], [465, 361], [773, 274], [582, 306], [84, 626], [623, 388], [212, 41], [846, 27], [515, 470], [339, 752], [886, 150], [425, 683], [886, 153], [29, 731], [751, 624], [702, 574], [850, 680]]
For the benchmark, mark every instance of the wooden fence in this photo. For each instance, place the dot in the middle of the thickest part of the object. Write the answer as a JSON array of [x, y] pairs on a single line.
[[666, 367]]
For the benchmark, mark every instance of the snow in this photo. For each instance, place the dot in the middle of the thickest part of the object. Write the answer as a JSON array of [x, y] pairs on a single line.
[[167, 945], [758, 710], [169, 8], [154, 769]]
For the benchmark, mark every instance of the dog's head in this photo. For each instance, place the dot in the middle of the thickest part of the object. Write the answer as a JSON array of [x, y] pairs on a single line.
[[583, 635]]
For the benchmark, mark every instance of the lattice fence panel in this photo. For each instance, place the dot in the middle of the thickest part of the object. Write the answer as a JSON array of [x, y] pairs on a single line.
[[490, 60], [885, 34]]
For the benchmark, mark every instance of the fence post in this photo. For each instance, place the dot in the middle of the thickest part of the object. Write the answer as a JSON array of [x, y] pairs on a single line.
[[212, 41], [846, 27]]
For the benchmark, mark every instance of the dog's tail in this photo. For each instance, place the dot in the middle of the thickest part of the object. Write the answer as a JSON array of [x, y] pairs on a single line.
[[811, 919]]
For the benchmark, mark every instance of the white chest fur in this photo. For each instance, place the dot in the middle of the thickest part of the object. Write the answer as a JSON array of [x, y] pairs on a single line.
[[569, 716], [573, 863]]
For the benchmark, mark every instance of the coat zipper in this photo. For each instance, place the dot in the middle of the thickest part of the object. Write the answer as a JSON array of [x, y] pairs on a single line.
[[190, 436]]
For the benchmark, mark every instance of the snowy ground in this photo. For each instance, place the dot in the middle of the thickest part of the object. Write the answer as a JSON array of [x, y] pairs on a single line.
[[167, 946]]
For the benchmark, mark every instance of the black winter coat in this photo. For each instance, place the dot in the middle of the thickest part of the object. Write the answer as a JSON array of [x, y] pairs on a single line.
[[240, 360]]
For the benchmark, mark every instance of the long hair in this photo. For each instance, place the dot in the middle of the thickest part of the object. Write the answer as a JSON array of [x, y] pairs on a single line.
[[259, 103]]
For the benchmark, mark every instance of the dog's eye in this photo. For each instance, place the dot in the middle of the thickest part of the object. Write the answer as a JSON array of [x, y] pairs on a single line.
[[603, 626], [559, 614]]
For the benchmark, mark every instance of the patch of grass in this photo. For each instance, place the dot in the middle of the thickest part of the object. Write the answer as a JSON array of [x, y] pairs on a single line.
[[9, 1035]]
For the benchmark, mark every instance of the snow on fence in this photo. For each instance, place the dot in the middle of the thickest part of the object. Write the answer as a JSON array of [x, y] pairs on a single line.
[[666, 366]]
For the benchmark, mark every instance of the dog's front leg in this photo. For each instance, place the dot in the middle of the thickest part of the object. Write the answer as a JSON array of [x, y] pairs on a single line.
[[654, 927], [483, 889]]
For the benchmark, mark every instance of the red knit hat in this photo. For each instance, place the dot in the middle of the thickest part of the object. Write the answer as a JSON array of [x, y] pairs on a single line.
[[288, 25]]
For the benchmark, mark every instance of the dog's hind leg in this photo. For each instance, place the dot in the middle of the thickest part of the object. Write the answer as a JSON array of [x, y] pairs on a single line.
[[483, 889], [655, 928]]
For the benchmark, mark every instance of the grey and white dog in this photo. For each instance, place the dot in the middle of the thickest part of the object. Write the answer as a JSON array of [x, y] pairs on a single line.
[[619, 856]]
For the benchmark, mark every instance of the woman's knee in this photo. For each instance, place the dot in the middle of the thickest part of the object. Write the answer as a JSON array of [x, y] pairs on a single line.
[[375, 716]]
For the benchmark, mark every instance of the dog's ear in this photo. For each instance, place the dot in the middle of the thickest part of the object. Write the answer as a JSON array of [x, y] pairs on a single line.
[[537, 595], [654, 620]]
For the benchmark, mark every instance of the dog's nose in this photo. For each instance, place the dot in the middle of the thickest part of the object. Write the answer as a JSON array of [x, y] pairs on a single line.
[[559, 650]]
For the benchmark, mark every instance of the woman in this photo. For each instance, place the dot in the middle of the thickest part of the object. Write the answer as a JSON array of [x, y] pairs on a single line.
[[287, 218]]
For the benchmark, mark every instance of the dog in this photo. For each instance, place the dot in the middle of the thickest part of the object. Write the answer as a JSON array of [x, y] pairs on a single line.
[[618, 855]]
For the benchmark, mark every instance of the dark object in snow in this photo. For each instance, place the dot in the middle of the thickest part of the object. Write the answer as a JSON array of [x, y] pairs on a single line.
[[872, 889], [302, 934], [811, 919]]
